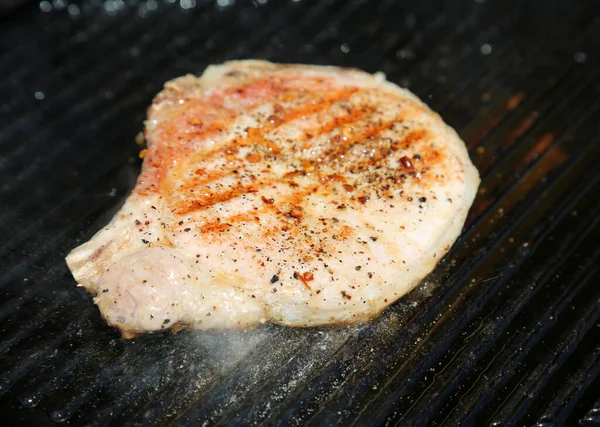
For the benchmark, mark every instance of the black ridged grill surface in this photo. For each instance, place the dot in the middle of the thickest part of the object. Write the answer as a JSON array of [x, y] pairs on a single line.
[[504, 332]]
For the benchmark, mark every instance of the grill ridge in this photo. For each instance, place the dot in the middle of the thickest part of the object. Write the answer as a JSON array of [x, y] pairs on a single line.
[[481, 399], [430, 411], [509, 187], [569, 341], [573, 389], [474, 344], [54, 379]]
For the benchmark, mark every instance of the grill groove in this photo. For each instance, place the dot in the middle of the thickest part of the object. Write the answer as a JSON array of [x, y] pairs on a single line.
[[503, 330]]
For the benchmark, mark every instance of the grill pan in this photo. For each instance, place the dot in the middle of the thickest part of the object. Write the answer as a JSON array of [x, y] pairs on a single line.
[[503, 332]]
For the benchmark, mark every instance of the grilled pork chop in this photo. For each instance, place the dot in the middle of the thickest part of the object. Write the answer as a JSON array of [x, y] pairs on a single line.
[[299, 195]]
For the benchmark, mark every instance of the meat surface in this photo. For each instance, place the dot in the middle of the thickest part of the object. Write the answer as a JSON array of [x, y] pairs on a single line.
[[299, 195]]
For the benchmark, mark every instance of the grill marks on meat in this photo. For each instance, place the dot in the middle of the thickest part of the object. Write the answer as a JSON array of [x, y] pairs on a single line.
[[348, 132], [332, 180]]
